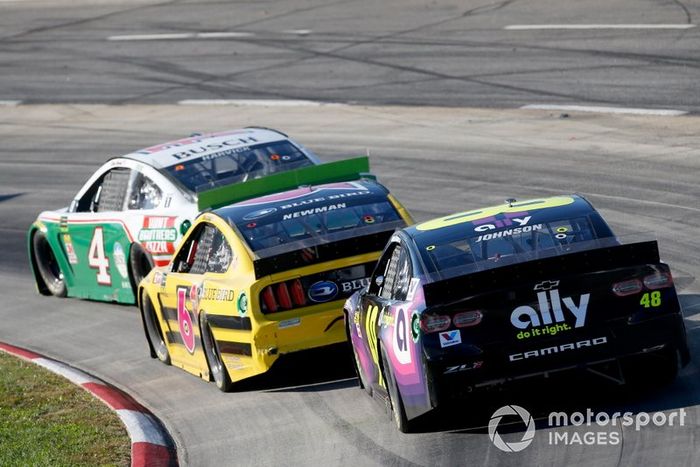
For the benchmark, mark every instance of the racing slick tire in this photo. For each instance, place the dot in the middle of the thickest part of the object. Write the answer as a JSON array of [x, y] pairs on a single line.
[[652, 370], [355, 360], [217, 370], [153, 331], [140, 264], [397, 408], [47, 266]]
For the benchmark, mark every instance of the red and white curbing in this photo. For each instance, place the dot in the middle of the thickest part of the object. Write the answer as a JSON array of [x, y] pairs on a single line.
[[151, 444]]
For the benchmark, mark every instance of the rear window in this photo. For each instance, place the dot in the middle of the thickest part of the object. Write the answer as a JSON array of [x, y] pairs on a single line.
[[316, 223], [239, 164], [450, 250]]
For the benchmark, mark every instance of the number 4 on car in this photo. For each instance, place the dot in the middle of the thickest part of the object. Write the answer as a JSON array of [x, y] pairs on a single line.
[[132, 213]]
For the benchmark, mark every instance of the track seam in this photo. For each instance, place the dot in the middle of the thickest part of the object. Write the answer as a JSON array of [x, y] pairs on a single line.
[[151, 444]]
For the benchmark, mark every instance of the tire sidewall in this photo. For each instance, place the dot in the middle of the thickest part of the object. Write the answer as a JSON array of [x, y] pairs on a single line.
[[40, 247], [154, 331]]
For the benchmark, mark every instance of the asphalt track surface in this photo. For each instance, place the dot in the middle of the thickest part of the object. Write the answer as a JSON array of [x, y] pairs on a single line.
[[418, 52], [640, 171]]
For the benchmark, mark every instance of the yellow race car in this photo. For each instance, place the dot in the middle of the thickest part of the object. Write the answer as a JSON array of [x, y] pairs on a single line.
[[268, 274]]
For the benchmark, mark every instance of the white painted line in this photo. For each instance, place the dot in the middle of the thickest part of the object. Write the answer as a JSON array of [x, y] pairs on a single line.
[[222, 35], [300, 32], [10, 103], [179, 36], [253, 102], [74, 376], [526, 27], [142, 427], [607, 110], [151, 37]]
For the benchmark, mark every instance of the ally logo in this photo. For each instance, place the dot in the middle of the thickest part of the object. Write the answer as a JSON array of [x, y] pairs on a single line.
[[527, 419]]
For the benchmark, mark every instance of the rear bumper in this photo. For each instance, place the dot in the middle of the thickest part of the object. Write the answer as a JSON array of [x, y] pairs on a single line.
[[457, 374]]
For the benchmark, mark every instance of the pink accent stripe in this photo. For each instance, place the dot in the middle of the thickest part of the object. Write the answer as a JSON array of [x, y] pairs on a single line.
[[19, 352]]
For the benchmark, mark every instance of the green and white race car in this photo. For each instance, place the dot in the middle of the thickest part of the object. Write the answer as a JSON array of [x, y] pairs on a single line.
[[132, 213]]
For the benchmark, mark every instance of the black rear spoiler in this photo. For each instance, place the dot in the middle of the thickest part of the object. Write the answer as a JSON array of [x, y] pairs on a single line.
[[374, 242], [599, 259]]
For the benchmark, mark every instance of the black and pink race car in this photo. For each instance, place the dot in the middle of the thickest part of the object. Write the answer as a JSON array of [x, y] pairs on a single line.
[[518, 290]]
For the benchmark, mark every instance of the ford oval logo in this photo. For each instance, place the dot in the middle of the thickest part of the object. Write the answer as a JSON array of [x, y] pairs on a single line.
[[323, 291]]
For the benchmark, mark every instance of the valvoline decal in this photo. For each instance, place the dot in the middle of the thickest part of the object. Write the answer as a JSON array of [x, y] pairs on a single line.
[[323, 291]]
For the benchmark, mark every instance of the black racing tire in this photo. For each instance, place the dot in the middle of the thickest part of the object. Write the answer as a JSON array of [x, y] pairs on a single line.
[[652, 370], [140, 264], [154, 333], [355, 360], [47, 266], [398, 411], [217, 369]]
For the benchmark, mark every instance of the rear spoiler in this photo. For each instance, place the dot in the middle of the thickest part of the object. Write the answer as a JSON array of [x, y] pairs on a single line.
[[331, 172], [599, 259], [352, 246]]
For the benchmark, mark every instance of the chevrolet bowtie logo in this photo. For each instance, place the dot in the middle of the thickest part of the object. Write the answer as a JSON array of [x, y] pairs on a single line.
[[547, 285]]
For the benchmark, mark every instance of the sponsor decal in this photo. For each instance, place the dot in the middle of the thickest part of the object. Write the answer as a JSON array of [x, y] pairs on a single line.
[[517, 219], [312, 211], [158, 234], [546, 285], [196, 292], [158, 278], [415, 327], [550, 317], [356, 284], [526, 419], [543, 352], [508, 232], [450, 338], [323, 291], [289, 323], [400, 340], [356, 321], [259, 213], [387, 319], [322, 199], [463, 367], [242, 303], [70, 251], [218, 295], [120, 260]]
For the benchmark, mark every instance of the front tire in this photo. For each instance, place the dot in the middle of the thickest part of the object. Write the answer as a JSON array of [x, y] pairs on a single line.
[[153, 331], [47, 265], [217, 370]]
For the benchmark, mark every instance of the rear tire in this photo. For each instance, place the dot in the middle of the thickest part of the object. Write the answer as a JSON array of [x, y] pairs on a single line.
[[47, 266], [140, 263], [154, 331], [217, 370], [397, 408], [653, 370]]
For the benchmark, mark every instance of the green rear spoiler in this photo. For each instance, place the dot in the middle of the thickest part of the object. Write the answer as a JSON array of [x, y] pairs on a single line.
[[331, 172]]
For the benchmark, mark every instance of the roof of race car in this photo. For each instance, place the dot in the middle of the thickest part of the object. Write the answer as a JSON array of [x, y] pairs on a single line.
[[500, 216], [194, 147], [304, 198]]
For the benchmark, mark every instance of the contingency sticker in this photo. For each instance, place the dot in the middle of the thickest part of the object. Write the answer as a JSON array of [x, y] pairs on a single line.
[[450, 338]]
